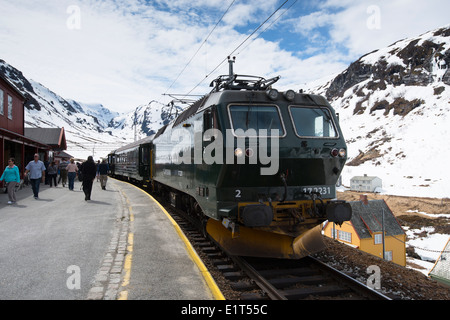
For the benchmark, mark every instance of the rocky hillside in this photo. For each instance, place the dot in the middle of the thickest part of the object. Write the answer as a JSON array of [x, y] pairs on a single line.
[[394, 105], [422, 62]]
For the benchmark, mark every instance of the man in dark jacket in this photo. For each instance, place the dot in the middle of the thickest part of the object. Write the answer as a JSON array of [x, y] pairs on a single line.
[[89, 171]]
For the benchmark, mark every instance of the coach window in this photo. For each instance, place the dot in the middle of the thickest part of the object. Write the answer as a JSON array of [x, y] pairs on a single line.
[[145, 155]]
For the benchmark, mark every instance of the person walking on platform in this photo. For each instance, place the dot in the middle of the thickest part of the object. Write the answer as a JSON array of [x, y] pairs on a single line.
[[72, 170], [63, 171], [89, 172], [36, 169], [52, 172], [12, 178], [103, 169], [96, 166]]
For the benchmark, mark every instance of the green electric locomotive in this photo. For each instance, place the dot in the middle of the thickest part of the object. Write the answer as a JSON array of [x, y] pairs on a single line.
[[259, 167]]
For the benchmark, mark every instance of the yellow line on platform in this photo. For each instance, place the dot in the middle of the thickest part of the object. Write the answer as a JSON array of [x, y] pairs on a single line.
[[127, 269], [191, 251], [123, 295], [130, 242]]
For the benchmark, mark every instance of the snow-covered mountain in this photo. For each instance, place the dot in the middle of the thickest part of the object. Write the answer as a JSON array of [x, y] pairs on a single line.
[[146, 119], [103, 115], [394, 106], [91, 129]]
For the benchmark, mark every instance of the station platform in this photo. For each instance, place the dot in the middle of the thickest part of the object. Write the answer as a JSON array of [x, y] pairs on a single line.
[[121, 245]]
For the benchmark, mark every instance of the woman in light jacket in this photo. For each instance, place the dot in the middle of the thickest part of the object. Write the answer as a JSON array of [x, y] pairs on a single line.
[[12, 178], [72, 170]]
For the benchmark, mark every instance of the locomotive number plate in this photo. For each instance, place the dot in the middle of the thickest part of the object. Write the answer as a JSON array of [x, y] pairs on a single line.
[[324, 191]]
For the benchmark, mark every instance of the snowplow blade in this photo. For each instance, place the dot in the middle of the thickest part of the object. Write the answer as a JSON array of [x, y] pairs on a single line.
[[308, 243], [257, 243]]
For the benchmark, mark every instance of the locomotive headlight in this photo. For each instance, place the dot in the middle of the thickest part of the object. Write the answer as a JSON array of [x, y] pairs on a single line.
[[272, 94], [334, 152], [238, 152], [289, 95], [342, 153]]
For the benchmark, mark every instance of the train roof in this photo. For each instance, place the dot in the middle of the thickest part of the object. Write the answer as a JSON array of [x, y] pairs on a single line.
[[233, 87], [214, 97], [135, 144]]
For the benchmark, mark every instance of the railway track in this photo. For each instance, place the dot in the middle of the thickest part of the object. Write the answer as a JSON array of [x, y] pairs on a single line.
[[307, 278], [272, 279]]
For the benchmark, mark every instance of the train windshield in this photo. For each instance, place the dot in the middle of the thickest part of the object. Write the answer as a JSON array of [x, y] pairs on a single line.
[[257, 117], [313, 122]]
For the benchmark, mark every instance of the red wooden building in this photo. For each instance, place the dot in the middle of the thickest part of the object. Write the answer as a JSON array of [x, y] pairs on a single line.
[[13, 142]]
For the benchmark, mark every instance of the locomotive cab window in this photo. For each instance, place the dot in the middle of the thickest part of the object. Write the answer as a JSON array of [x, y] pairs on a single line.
[[315, 122], [209, 122], [257, 117]]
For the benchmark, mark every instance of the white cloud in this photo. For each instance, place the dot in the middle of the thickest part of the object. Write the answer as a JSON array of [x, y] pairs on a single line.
[[365, 25], [312, 21], [116, 57], [241, 14]]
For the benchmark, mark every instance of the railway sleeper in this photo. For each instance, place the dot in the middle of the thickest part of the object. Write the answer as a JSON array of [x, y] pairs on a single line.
[[234, 275], [302, 293], [282, 272], [210, 249], [217, 262], [203, 244], [243, 285], [292, 281], [253, 296], [215, 255], [227, 268]]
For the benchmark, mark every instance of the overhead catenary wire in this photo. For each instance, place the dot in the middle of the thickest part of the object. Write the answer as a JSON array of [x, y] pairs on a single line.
[[237, 48], [269, 26], [201, 45]]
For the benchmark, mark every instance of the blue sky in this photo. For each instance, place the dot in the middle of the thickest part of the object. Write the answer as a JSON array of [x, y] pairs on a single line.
[[123, 53]]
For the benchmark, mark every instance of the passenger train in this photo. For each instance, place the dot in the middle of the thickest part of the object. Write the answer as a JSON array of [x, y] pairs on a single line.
[[257, 166]]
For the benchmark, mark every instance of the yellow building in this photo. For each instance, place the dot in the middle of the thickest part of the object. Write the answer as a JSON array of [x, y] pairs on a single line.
[[364, 231]]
